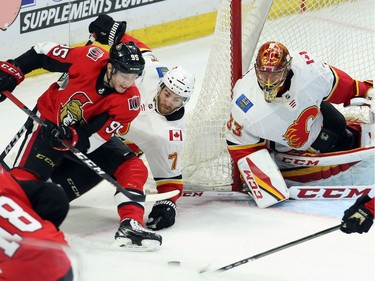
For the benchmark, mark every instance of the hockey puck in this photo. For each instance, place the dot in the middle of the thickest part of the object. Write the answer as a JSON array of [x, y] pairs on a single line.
[[174, 263]]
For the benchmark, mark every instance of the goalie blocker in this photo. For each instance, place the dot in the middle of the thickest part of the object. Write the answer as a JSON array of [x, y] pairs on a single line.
[[264, 179]]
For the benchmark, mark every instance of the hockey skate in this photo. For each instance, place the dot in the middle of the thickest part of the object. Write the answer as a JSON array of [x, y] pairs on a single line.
[[133, 236]]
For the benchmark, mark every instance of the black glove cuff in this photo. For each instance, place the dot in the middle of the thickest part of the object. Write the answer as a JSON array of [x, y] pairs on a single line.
[[112, 33], [166, 202], [363, 199]]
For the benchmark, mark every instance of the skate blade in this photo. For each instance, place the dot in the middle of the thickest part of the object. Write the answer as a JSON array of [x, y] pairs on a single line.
[[126, 244]]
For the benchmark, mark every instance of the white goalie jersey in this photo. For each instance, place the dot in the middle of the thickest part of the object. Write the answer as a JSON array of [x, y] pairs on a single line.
[[253, 119]]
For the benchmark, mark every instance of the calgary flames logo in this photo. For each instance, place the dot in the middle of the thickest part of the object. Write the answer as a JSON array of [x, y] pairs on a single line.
[[9, 12], [297, 134], [72, 112]]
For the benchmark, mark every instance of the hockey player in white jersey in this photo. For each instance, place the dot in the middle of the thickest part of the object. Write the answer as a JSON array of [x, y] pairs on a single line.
[[159, 130], [284, 103]]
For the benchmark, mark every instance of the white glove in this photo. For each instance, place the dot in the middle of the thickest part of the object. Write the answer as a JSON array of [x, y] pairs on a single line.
[[370, 98]]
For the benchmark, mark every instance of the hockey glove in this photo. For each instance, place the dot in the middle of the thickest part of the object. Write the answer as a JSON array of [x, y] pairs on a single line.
[[10, 77], [106, 30], [162, 215], [357, 218], [53, 134]]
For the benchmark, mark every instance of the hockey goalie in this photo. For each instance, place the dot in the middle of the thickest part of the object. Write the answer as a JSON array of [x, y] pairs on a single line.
[[283, 129]]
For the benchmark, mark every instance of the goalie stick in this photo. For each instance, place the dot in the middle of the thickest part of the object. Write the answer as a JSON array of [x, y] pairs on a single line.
[[274, 250], [23, 129], [303, 192], [89, 163]]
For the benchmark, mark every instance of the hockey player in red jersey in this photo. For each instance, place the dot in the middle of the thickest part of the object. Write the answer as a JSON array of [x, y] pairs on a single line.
[[158, 132], [100, 84], [30, 214], [359, 217], [284, 103]]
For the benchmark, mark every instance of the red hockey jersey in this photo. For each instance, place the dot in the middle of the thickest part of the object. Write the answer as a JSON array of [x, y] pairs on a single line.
[[84, 96], [23, 256]]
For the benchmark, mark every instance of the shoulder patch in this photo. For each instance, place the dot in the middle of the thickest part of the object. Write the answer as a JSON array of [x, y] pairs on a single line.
[[134, 103], [161, 71], [95, 53], [244, 103], [175, 135]]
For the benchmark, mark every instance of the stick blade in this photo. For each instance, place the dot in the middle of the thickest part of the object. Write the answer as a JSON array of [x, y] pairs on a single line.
[[161, 196]]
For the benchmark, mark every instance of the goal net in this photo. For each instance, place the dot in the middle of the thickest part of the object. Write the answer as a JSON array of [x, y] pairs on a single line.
[[340, 32]]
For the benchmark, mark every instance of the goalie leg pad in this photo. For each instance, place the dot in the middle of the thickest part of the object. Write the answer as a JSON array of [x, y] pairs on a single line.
[[263, 178]]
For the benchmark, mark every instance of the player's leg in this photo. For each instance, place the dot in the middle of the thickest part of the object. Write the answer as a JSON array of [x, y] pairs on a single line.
[[131, 173], [263, 178], [47, 199], [118, 160], [74, 177]]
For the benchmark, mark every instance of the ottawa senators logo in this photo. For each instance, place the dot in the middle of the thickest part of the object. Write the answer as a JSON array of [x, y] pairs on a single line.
[[298, 133], [9, 12], [72, 112]]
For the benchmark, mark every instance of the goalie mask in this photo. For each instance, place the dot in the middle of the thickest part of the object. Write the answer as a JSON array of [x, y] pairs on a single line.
[[271, 68], [174, 90]]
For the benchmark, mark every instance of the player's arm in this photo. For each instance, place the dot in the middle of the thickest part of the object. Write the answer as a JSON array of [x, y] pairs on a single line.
[[12, 71], [48, 55], [164, 160], [167, 178], [166, 170], [107, 31], [346, 88], [163, 213], [141, 45]]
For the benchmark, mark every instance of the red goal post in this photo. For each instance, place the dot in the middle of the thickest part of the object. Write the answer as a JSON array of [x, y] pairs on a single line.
[[340, 32]]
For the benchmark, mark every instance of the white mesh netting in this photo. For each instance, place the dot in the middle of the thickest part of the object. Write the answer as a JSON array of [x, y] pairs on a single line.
[[340, 32]]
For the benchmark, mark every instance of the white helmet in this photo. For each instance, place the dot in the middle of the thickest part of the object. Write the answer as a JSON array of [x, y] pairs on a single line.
[[180, 81]]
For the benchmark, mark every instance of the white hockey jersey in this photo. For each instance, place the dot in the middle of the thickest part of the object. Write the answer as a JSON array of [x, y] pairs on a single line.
[[160, 138], [293, 123]]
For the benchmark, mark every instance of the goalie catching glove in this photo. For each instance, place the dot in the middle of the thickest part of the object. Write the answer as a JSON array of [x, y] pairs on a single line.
[[163, 215], [106, 30], [357, 218]]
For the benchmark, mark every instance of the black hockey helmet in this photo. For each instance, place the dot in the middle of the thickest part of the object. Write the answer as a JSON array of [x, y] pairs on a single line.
[[127, 58]]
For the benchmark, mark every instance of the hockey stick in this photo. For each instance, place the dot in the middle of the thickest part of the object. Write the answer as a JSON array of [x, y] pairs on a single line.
[[277, 249], [4, 165], [327, 159], [296, 192], [13, 141], [23, 129], [89, 163]]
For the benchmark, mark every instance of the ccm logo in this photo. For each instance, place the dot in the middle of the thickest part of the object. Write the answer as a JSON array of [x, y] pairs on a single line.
[[192, 194], [12, 70], [252, 184], [330, 193], [300, 162]]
